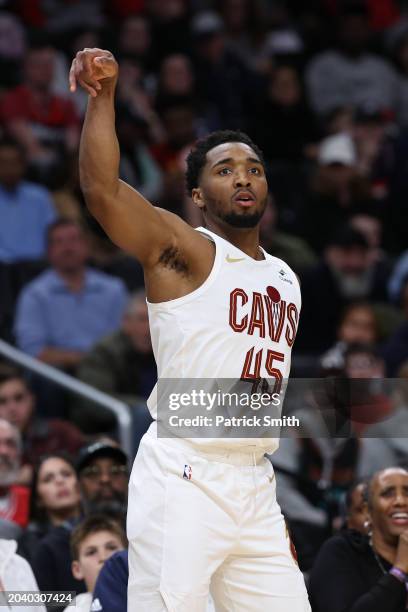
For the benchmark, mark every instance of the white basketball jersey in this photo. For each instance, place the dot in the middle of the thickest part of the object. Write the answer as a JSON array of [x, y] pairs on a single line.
[[239, 324]]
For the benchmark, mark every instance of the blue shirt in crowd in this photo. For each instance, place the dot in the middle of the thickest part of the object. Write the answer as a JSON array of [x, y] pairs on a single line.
[[49, 314], [110, 594], [25, 214]]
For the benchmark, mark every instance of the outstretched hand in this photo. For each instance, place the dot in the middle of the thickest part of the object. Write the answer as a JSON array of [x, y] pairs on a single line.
[[91, 66]]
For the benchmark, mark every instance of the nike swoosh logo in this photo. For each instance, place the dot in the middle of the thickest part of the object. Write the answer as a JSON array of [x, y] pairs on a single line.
[[271, 478], [234, 259]]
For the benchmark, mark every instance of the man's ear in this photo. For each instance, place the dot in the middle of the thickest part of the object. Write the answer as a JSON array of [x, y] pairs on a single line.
[[77, 570], [197, 197]]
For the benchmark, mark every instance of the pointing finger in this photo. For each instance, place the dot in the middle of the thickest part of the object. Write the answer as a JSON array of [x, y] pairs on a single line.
[[72, 79]]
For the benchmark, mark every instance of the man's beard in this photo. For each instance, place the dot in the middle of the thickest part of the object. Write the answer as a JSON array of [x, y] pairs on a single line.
[[354, 286], [117, 503], [242, 221]]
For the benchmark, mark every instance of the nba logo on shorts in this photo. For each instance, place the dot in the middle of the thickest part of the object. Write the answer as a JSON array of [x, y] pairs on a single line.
[[188, 472]]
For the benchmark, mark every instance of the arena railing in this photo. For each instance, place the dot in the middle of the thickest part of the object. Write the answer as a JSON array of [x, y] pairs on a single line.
[[121, 410]]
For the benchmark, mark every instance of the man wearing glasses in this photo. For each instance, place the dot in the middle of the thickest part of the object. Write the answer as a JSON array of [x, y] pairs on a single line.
[[103, 477]]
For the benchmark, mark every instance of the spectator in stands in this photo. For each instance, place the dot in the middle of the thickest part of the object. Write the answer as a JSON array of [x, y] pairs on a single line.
[[121, 364], [44, 123], [12, 48], [224, 83], [69, 307], [358, 325], [345, 274], [370, 225], [386, 438], [55, 498], [245, 22], [284, 126], [350, 75], [103, 479], [135, 41], [26, 209], [336, 189], [133, 98], [314, 467], [366, 403], [169, 23], [137, 165], [93, 542], [356, 573], [355, 507], [292, 249], [176, 81], [39, 436], [178, 123], [61, 18], [14, 499], [379, 152], [110, 591], [316, 464], [16, 575], [180, 129]]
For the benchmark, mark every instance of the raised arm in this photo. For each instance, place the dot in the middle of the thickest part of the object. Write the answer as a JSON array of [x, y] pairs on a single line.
[[128, 218]]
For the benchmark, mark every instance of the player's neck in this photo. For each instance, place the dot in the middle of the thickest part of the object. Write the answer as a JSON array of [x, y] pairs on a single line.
[[245, 239]]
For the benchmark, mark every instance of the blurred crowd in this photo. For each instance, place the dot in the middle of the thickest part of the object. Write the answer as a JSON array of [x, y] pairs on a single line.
[[322, 87]]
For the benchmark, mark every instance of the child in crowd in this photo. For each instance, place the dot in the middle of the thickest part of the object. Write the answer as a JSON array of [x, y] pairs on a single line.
[[92, 542]]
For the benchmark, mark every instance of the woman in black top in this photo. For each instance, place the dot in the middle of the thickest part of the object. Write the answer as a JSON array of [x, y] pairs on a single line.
[[356, 573], [55, 498]]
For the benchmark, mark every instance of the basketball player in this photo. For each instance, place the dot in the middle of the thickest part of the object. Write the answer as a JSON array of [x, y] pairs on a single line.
[[202, 514]]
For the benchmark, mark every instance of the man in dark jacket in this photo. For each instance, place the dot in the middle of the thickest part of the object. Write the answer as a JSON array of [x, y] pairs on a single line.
[[345, 274]]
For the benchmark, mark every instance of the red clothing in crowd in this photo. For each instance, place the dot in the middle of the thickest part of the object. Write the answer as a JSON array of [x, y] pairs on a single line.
[[22, 103], [17, 507], [44, 437]]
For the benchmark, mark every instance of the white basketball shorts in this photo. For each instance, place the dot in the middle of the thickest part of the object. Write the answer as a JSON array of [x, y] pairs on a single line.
[[203, 521]]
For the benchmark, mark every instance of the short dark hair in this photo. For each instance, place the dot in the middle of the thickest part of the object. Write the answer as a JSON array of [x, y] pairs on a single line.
[[61, 222], [94, 523], [347, 237], [10, 372], [197, 157]]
